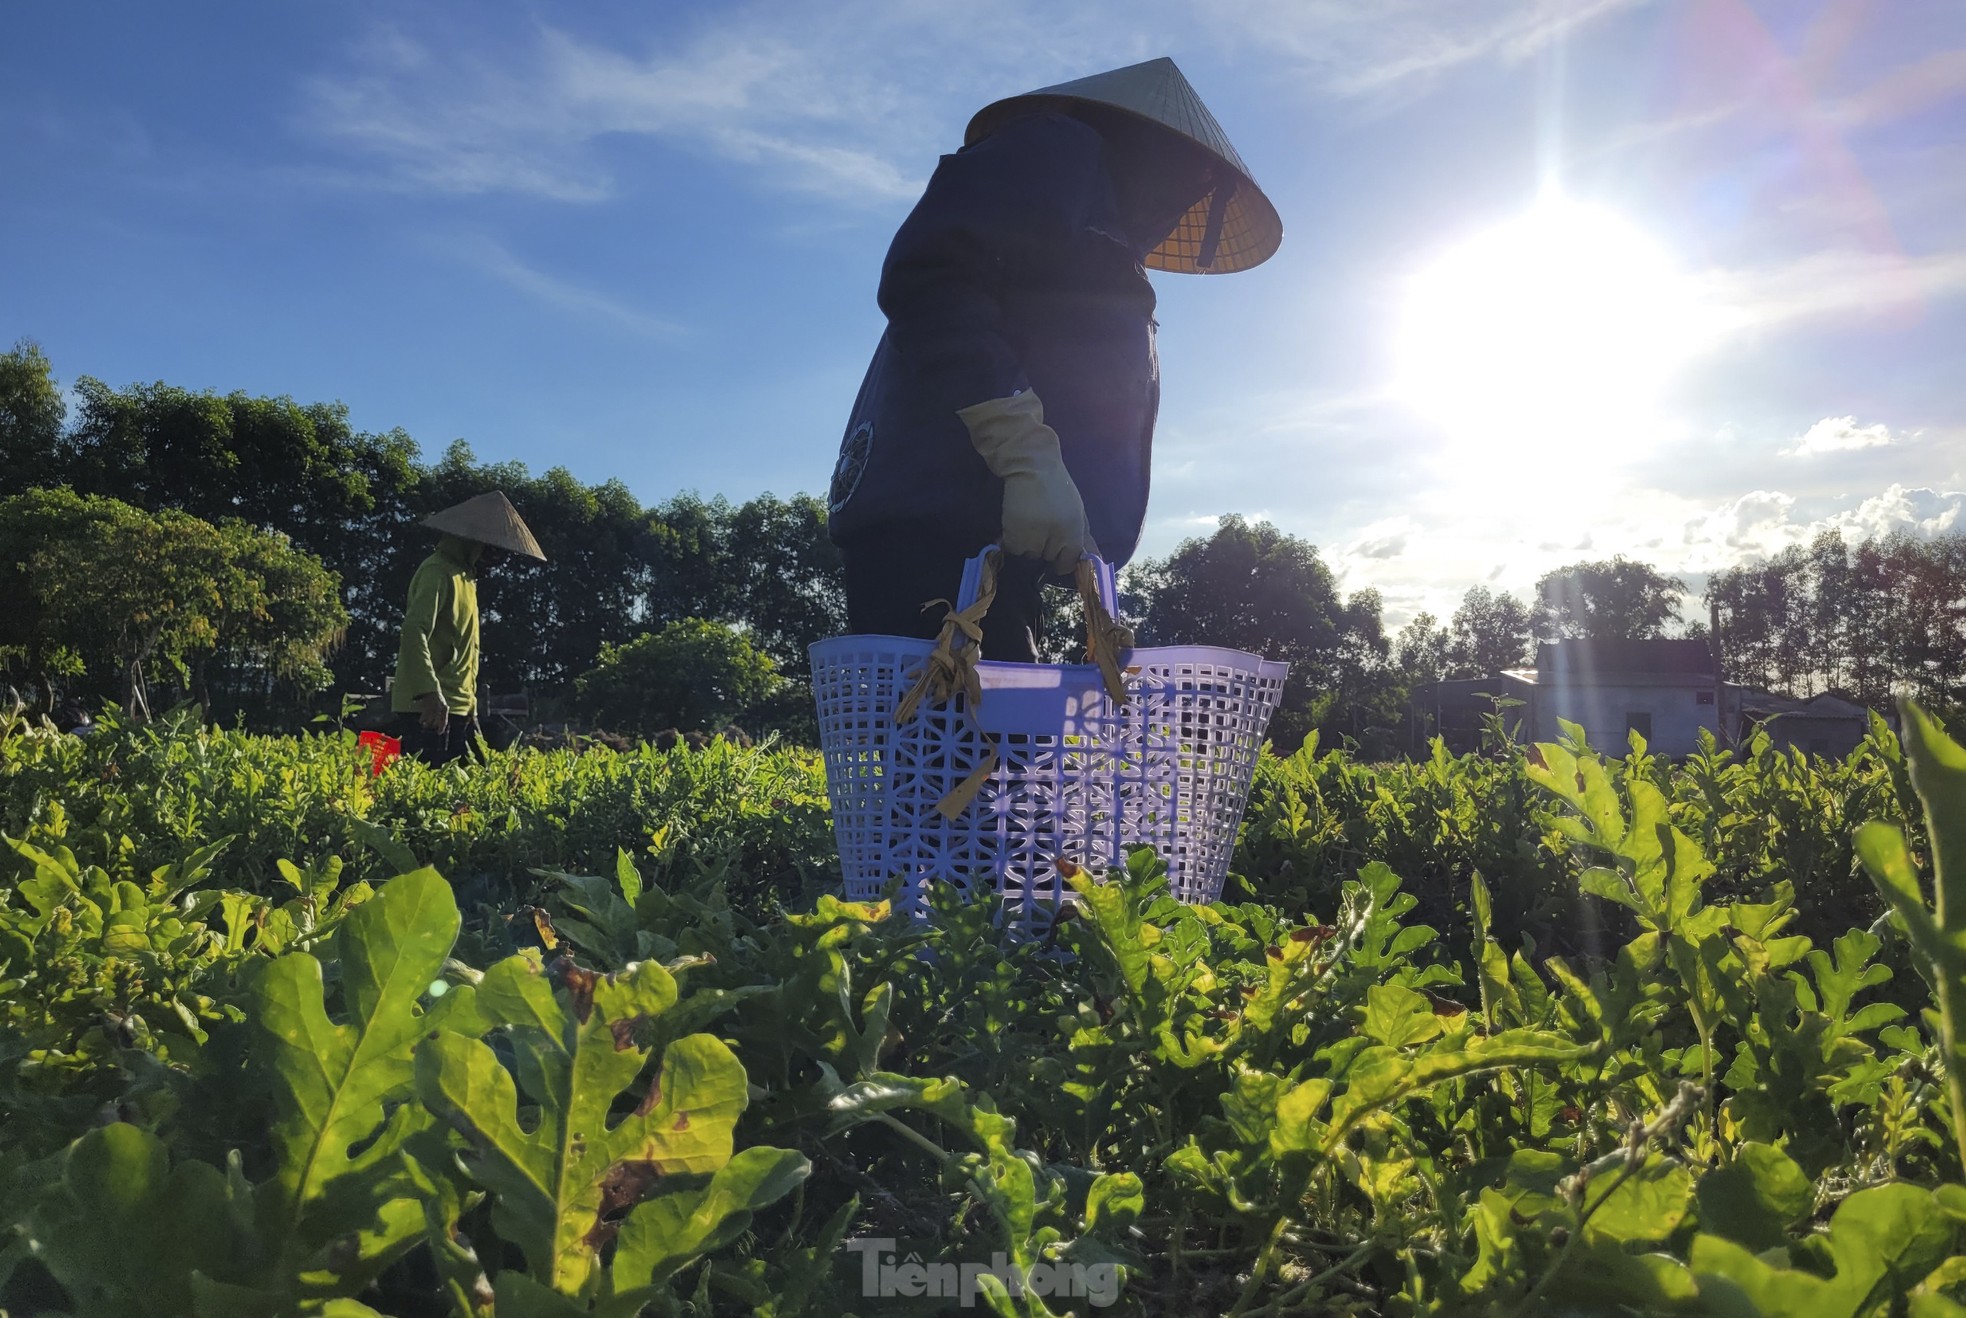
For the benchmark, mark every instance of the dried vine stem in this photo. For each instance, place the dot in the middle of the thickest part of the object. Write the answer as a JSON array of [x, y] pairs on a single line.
[[1626, 1160]]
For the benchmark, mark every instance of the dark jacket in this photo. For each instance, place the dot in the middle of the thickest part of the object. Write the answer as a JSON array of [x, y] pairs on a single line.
[[1012, 272]]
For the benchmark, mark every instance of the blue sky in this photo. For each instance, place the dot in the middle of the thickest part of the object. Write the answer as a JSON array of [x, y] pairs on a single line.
[[641, 241]]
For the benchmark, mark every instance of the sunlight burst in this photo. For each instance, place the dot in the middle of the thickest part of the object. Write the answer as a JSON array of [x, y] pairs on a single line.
[[1551, 338]]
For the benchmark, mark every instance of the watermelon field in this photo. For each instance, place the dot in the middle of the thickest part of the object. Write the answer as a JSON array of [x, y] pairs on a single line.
[[1545, 1030]]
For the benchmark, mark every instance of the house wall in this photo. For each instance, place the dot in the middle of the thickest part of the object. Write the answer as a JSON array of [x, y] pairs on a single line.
[[1676, 711], [1832, 736], [1453, 709]]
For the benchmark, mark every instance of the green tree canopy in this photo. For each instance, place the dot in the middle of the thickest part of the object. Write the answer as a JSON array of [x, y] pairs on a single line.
[[785, 576], [1420, 650], [106, 592], [1249, 586], [347, 497], [1872, 619], [692, 674], [682, 548], [31, 415], [1614, 599], [1491, 631], [615, 569]]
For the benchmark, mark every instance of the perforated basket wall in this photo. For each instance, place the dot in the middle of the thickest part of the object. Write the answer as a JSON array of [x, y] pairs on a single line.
[[1077, 775]]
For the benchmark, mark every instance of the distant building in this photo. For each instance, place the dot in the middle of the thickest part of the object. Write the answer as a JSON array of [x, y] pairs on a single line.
[[1454, 709], [1667, 691], [1822, 725]]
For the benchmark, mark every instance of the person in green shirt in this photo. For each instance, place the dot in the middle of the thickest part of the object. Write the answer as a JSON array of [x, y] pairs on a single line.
[[435, 693]]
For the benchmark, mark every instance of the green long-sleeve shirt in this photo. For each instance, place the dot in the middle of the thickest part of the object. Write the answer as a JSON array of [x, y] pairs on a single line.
[[439, 651]]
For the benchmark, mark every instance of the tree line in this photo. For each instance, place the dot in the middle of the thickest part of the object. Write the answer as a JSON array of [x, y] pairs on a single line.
[[351, 501], [1870, 620], [705, 595]]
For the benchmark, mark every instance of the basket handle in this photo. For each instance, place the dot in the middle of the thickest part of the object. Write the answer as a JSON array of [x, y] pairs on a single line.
[[951, 666], [972, 583], [1106, 639], [1103, 573]]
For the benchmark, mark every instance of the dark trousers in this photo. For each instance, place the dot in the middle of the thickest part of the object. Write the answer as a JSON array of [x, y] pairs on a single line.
[[435, 748], [892, 577]]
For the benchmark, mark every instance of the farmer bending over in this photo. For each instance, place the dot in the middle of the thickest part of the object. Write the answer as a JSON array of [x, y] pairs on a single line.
[[1012, 398], [436, 688]]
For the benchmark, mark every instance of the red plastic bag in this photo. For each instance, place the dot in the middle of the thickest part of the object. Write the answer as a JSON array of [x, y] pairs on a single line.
[[384, 750]]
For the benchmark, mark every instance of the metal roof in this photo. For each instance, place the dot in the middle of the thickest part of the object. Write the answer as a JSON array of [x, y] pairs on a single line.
[[1579, 659]]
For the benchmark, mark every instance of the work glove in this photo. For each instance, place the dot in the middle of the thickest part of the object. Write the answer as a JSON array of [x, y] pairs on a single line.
[[1043, 516]]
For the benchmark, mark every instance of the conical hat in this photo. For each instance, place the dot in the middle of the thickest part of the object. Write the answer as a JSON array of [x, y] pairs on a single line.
[[1247, 230], [490, 519]]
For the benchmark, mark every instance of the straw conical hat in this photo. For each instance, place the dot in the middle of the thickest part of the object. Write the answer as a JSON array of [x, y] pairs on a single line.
[[1247, 230], [490, 519]]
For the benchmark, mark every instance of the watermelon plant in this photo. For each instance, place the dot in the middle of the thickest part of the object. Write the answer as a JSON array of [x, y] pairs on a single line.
[[1543, 1031]]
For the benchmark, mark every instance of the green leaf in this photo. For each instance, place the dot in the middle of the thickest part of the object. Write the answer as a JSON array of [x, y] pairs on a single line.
[[1115, 916], [886, 1092], [1498, 1250], [1659, 869], [627, 876], [1607, 1278], [1753, 1200], [1938, 772], [1646, 1206], [865, 1048], [1114, 1202], [1297, 1128], [329, 1219], [1397, 1016], [124, 1232], [1881, 1242], [1483, 906], [559, 1178], [665, 1235], [519, 1296], [1948, 1276], [384, 843], [1500, 1004], [333, 1083], [1838, 981], [1251, 1103], [1382, 1077]]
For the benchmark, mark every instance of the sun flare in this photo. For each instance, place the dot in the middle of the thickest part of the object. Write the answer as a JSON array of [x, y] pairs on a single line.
[[1553, 336]]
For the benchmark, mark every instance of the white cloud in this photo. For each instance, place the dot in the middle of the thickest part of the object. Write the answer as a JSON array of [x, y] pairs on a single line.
[[490, 257], [1835, 283], [387, 46], [1163, 534], [1353, 50], [1754, 525], [1920, 512], [846, 100], [1906, 91], [1448, 546], [536, 120], [1836, 434], [1757, 526], [1383, 539]]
